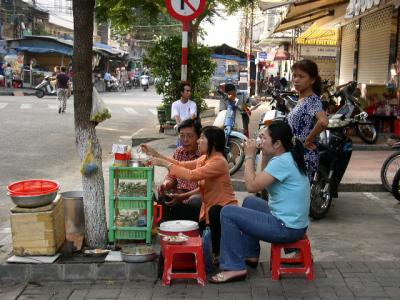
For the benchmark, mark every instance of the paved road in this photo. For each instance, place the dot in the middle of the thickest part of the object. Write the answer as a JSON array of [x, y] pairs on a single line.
[[37, 142]]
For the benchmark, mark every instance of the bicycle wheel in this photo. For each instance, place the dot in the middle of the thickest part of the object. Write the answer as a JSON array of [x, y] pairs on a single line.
[[395, 185], [389, 169]]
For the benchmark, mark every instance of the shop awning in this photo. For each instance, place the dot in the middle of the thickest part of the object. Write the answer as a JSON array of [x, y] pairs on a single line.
[[44, 50], [308, 11], [316, 35]]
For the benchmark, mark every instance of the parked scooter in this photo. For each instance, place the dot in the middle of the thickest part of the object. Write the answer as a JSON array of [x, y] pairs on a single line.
[[45, 88], [366, 130], [231, 120], [144, 82], [113, 85]]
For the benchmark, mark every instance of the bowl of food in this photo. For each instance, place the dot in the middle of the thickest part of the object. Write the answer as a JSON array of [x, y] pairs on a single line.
[[138, 253], [175, 239]]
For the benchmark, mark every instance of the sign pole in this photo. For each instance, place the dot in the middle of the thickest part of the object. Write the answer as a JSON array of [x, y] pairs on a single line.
[[185, 11], [185, 50]]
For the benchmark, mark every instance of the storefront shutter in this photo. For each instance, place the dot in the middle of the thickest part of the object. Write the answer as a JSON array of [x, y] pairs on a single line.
[[326, 67], [347, 53], [374, 47]]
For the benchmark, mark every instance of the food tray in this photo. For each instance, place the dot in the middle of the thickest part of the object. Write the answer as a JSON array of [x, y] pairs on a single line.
[[144, 173]]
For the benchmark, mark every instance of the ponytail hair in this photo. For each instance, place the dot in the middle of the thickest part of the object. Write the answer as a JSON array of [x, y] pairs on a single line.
[[280, 130], [310, 67]]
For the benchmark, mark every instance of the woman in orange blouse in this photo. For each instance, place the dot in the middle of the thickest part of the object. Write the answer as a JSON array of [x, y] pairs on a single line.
[[212, 173]]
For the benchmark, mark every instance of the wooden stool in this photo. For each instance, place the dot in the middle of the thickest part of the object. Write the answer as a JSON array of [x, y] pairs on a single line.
[[305, 259], [193, 246]]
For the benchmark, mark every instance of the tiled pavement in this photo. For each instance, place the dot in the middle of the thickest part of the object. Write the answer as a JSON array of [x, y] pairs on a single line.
[[334, 280]]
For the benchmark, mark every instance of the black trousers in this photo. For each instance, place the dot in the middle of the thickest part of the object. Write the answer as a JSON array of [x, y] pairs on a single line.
[[214, 215], [181, 211]]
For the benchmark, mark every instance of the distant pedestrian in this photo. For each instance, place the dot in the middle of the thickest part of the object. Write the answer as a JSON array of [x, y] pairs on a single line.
[[62, 90], [277, 81], [8, 73], [284, 83]]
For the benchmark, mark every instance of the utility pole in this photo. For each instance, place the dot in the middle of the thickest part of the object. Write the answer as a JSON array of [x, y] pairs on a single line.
[[250, 46], [13, 21]]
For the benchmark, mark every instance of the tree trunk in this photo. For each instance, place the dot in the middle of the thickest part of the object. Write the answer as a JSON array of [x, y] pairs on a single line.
[[93, 186]]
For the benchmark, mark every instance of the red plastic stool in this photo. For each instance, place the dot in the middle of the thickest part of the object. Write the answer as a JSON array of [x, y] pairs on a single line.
[[193, 246], [307, 264]]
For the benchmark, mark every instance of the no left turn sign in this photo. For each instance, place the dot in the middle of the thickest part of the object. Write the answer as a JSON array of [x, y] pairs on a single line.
[[185, 10]]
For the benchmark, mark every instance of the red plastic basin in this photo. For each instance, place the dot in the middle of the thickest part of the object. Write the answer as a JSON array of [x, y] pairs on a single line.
[[33, 187]]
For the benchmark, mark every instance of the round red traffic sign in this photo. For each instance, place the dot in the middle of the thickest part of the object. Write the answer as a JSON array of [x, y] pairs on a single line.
[[185, 10]]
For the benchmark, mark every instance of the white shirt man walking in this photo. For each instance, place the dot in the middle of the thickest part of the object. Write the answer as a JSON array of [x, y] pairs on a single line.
[[184, 108]]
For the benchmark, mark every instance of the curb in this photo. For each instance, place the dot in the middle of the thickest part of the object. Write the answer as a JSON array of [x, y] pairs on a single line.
[[239, 186], [79, 271]]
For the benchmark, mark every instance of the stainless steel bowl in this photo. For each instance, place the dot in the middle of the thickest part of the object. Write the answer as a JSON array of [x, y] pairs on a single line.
[[138, 258], [33, 201]]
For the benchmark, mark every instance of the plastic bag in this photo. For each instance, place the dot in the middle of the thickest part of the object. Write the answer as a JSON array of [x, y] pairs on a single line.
[[100, 111], [207, 251], [89, 165]]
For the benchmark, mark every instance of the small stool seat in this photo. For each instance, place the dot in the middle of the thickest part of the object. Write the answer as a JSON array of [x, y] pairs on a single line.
[[193, 246], [305, 260]]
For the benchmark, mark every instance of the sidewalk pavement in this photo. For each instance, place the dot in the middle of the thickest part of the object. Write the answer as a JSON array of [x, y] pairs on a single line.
[[16, 92], [356, 252]]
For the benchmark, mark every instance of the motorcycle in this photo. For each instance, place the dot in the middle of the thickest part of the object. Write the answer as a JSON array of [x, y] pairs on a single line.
[[113, 85], [45, 88], [351, 107], [144, 82], [335, 149], [231, 121]]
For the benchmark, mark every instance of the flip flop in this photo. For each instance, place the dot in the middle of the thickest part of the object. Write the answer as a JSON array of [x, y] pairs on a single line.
[[220, 278]]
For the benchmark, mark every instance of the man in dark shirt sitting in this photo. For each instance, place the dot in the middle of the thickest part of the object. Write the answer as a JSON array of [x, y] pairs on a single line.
[[62, 89]]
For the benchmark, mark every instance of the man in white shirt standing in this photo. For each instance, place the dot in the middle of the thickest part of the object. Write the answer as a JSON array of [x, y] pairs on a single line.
[[184, 108]]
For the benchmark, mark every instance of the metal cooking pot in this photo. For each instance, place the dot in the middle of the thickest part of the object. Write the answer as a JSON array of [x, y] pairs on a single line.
[[73, 212]]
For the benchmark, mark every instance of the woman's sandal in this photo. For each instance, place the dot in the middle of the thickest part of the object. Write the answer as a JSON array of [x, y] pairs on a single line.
[[220, 278], [251, 263]]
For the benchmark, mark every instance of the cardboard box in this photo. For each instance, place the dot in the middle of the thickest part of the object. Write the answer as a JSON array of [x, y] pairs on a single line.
[[39, 232]]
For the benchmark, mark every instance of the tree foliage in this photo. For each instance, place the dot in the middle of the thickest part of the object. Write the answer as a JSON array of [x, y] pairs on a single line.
[[164, 58], [127, 13]]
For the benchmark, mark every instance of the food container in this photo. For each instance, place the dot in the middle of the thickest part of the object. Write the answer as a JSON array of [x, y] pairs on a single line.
[[189, 228], [138, 254]]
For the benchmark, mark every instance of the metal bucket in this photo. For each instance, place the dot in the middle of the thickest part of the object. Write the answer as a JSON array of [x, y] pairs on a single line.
[[73, 212]]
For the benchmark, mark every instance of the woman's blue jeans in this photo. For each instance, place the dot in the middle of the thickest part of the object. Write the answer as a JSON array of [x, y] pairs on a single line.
[[243, 228]]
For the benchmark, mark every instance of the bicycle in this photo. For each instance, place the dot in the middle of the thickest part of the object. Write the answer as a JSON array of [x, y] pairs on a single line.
[[395, 185], [390, 167]]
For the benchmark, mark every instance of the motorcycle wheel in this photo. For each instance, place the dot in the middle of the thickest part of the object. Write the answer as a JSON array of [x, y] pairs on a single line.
[[39, 93], [389, 170], [367, 133], [320, 200], [395, 185], [235, 156]]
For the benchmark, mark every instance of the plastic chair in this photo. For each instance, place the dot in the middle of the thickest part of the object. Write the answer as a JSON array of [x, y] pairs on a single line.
[[305, 260], [192, 246]]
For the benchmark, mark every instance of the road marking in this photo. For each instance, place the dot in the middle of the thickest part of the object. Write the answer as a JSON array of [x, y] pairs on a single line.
[[153, 111], [2, 105], [26, 106], [137, 132], [130, 110], [52, 106]]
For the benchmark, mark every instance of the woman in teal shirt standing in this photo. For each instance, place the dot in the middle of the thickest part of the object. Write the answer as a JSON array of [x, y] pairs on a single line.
[[284, 219]]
